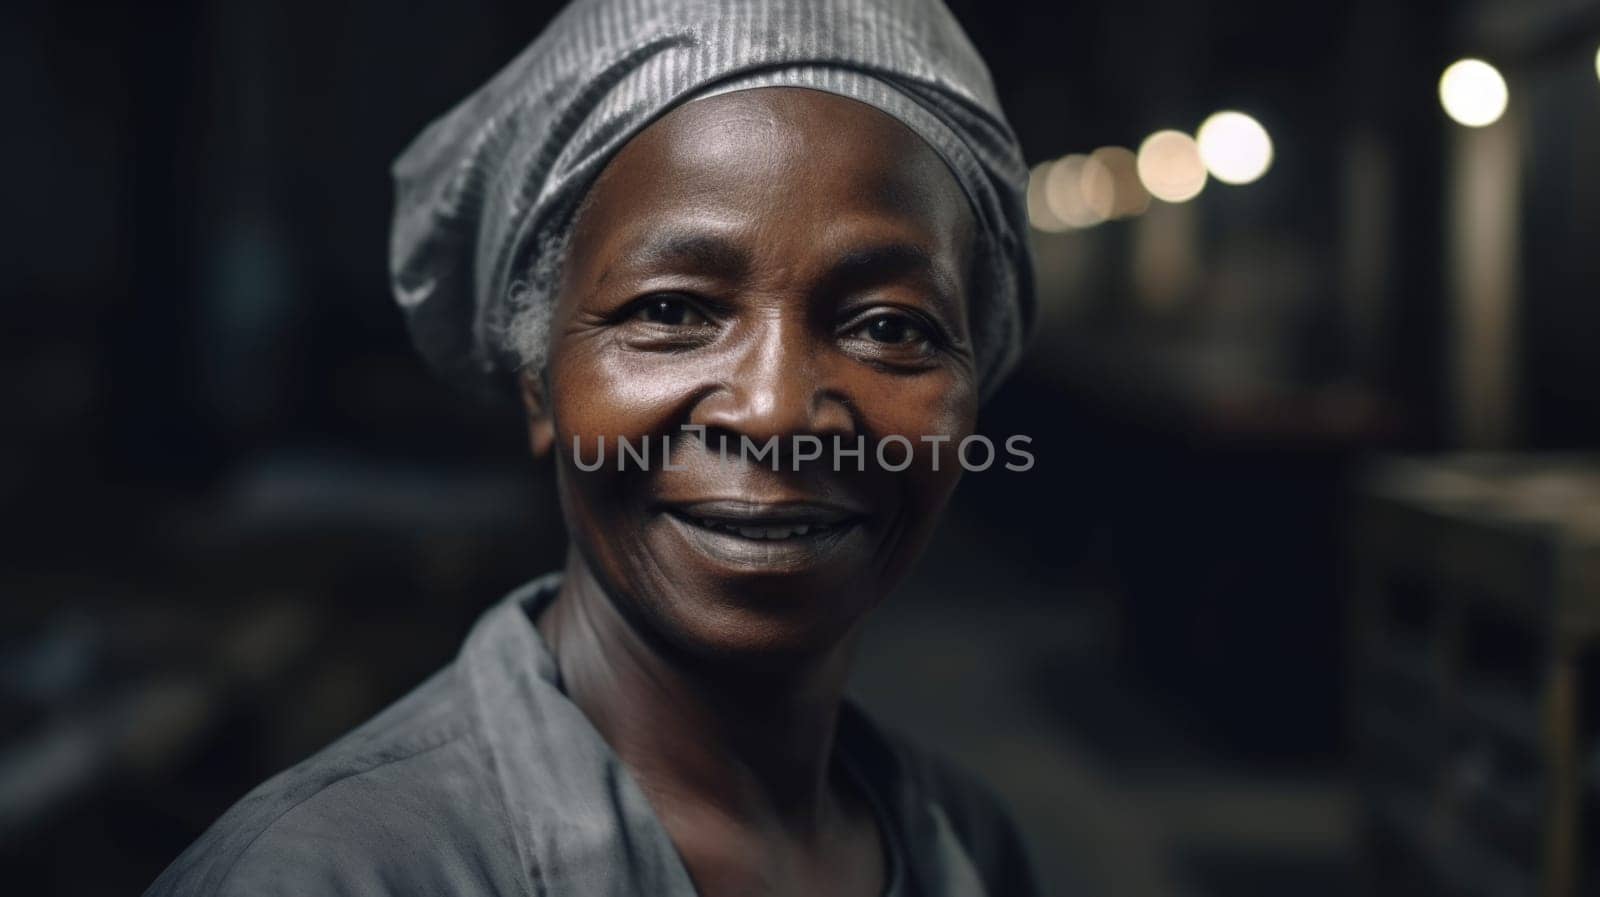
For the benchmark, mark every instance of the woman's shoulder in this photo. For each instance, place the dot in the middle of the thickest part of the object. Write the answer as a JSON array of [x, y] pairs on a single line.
[[397, 806], [928, 784]]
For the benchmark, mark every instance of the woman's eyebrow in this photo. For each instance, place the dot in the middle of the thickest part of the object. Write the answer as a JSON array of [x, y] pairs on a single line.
[[697, 253], [886, 262], [861, 266]]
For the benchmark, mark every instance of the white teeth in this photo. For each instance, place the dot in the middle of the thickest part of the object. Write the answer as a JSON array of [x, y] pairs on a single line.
[[762, 532]]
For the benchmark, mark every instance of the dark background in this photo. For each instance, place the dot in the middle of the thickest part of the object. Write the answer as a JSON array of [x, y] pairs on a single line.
[[241, 516]]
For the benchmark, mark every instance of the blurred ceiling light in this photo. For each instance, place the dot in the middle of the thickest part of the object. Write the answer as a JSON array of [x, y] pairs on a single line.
[[1170, 166], [1597, 62], [1473, 93], [1234, 147], [1110, 183], [1039, 214], [1063, 192]]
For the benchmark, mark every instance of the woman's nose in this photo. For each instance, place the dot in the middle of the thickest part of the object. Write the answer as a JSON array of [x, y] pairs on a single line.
[[776, 386]]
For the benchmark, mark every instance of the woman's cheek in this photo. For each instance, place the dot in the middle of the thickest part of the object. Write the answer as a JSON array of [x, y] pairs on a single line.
[[937, 413], [952, 412], [606, 391]]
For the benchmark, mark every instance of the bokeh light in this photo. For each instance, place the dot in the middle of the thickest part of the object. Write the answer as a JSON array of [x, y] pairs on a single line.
[[1063, 191], [1056, 200], [1170, 166], [1110, 183], [1039, 214], [1234, 147], [1473, 93]]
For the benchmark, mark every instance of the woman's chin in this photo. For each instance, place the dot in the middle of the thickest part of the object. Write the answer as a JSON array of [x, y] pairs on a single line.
[[767, 560], [756, 639], [761, 600]]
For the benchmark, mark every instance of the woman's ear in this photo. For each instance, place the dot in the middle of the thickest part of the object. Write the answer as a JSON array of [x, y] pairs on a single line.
[[535, 401]]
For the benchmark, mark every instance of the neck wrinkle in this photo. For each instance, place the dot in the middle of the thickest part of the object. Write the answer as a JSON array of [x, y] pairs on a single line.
[[755, 748]]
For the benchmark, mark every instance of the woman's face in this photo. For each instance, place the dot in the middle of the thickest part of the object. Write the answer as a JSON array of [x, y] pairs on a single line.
[[774, 262]]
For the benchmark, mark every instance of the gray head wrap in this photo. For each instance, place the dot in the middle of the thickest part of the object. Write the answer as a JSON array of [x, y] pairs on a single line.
[[486, 194]]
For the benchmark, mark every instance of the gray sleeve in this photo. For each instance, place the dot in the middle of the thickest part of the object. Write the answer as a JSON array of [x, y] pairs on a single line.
[[421, 825], [997, 847], [982, 824]]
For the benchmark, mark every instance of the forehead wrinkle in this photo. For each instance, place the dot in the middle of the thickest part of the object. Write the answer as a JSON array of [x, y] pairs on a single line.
[[774, 147]]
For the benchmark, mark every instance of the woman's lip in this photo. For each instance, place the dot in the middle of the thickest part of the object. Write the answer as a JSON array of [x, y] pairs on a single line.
[[740, 512], [793, 554]]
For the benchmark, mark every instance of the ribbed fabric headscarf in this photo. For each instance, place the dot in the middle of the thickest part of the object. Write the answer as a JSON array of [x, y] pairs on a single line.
[[486, 194]]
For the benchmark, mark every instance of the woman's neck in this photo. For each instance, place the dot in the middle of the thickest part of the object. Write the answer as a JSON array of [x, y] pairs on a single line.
[[751, 748]]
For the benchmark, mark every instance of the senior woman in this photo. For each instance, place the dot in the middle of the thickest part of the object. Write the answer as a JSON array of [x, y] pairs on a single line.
[[697, 224]]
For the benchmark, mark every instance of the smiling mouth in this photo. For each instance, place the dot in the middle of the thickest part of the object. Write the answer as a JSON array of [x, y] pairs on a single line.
[[778, 523], [763, 532]]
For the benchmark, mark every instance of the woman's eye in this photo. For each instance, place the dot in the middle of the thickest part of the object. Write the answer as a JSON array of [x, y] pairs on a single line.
[[670, 311], [896, 330]]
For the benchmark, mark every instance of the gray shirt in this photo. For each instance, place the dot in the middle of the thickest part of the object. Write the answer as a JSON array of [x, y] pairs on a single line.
[[488, 780]]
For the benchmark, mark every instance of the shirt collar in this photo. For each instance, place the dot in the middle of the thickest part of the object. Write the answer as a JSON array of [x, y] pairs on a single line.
[[580, 822]]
